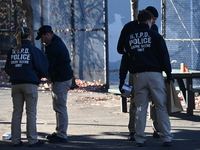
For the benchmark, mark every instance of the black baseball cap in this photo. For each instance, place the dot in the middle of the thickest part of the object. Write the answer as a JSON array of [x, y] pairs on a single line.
[[153, 10], [43, 30]]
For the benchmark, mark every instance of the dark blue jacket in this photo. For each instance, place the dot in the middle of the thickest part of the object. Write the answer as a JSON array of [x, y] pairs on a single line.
[[59, 60], [148, 51], [127, 29], [28, 65]]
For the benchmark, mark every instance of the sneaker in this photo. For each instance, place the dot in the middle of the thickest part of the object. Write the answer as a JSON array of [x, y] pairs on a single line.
[[131, 136], [38, 143], [19, 144], [57, 139], [156, 135], [167, 144], [51, 136], [140, 144]]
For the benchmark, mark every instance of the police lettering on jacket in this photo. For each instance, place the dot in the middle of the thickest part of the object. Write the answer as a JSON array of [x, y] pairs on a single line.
[[139, 41], [21, 57]]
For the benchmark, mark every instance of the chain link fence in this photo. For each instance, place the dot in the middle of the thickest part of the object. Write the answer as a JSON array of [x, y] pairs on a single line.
[[82, 25], [181, 30], [11, 15]]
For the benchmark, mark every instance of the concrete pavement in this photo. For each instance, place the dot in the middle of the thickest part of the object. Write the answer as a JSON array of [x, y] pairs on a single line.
[[96, 122]]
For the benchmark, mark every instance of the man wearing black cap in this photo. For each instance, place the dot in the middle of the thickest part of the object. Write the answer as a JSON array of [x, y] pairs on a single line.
[[60, 75], [127, 29]]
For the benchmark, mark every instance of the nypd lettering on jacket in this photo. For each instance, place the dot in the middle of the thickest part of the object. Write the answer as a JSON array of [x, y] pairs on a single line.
[[21, 57], [140, 41]]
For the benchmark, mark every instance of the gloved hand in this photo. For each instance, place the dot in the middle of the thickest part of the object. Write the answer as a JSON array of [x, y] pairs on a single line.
[[169, 78], [120, 87]]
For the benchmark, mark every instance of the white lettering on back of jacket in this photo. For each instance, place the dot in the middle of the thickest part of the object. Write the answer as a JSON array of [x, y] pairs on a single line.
[[139, 41], [21, 57]]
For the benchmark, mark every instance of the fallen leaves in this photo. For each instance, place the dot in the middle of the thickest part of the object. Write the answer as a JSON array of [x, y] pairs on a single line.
[[87, 86]]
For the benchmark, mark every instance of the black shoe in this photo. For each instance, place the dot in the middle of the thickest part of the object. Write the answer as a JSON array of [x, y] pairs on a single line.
[[51, 136], [156, 135], [131, 136], [140, 144], [57, 139], [19, 144], [38, 143], [167, 144]]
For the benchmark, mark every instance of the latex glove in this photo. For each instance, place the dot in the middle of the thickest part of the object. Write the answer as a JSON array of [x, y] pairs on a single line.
[[169, 78], [120, 87]]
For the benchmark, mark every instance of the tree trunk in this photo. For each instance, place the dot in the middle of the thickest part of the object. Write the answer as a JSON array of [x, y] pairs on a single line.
[[134, 8]]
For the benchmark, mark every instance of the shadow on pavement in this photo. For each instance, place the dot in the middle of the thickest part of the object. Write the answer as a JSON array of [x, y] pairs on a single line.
[[183, 140]]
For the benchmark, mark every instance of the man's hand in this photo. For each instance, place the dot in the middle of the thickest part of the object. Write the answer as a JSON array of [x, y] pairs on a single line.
[[170, 78], [120, 87]]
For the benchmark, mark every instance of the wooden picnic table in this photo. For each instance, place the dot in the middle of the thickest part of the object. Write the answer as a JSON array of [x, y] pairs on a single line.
[[185, 83], [187, 87]]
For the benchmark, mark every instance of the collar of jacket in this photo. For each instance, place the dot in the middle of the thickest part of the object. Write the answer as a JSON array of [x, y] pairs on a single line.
[[26, 41], [53, 38], [143, 25]]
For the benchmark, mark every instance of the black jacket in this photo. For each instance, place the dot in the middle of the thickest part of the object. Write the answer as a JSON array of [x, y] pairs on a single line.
[[59, 60], [148, 51], [28, 65], [127, 29]]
